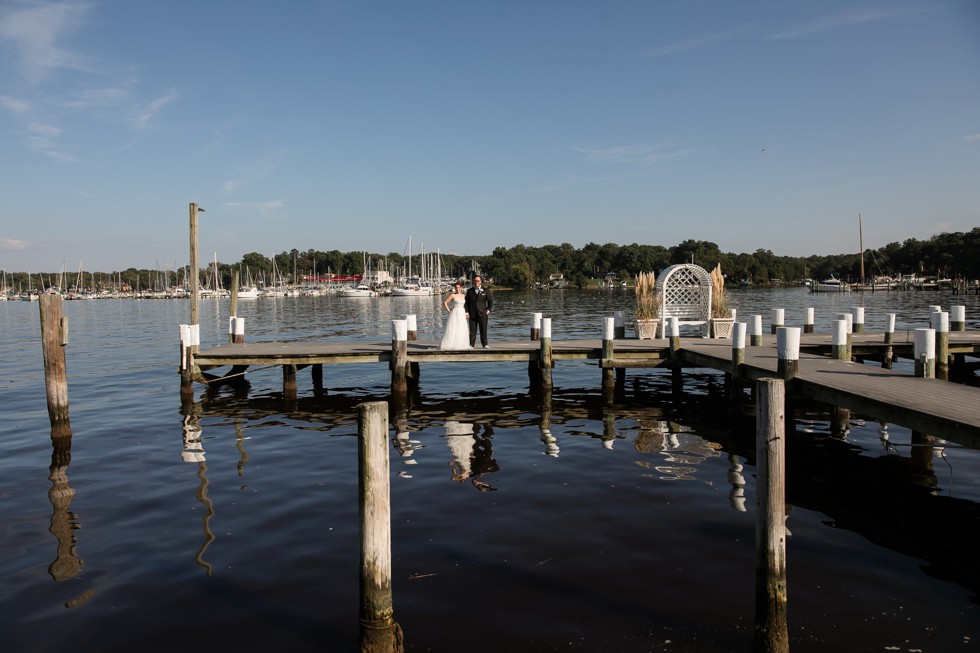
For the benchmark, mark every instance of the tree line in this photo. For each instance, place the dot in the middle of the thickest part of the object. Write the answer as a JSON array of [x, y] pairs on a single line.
[[945, 255]]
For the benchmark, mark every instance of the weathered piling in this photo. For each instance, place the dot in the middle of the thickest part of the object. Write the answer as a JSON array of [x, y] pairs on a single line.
[[190, 340], [289, 381], [839, 340], [888, 356], [940, 324], [771, 634], [608, 333], [374, 508], [755, 332], [546, 360], [778, 319], [924, 346], [195, 270], [787, 352], [619, 331], [535, 326], [957, 318], [808, 320], [399, 357], [534, 366], [238, 330], [738, 359], [849, 330], [412, 333], [233, 303], [857, 319], [54, 338]]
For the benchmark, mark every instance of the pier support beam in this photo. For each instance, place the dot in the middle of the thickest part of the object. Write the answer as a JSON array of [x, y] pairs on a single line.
[[289, 382], [771, 633]]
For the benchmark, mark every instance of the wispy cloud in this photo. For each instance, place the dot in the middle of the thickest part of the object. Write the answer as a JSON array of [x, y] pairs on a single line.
[[33, 30], [11, 244], [972, 138], [146, 114], [42, 137], [16, 106], [640, 154], [849, 17], [692, 43], [254, 171], [269, 210]]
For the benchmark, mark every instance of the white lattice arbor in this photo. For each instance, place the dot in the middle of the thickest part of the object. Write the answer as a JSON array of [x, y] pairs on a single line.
[[685, 293]]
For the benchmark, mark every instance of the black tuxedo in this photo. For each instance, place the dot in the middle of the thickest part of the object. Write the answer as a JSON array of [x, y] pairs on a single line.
[[477, 306]]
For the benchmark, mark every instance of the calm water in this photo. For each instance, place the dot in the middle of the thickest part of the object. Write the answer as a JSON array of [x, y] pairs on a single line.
[[608, 528]]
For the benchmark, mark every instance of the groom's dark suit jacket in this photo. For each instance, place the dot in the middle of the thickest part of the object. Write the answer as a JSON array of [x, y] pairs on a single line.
[[478, 302]]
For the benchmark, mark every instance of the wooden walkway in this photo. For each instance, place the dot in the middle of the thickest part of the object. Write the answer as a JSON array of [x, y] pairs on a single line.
[[947, 410]]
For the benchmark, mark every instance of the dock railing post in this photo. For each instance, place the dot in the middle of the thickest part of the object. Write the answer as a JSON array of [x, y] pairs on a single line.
[[808, 320], [839, 339], [788, 352], [546, 358], [957, 318], [849, 321], [889, 355], [534, 366], [924, 346], [738, 360], [374, 508], [412, 334], [399, 357], [608, 332], [233, 303], [857, 318], [54, 338], [940, 324], [755, 335], [778, 319], [771, 632], [619, 332], [535, 327]]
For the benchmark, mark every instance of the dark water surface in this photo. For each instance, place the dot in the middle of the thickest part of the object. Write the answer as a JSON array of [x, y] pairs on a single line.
[[607, 528]]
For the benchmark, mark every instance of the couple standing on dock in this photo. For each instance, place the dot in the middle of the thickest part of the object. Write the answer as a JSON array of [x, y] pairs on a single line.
[[467, 313]]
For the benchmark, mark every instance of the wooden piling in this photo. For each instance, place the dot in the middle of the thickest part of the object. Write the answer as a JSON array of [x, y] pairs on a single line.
[[619, 332], [289, 381], [888, 356], [940, 324], [771, 634], [957, 318], [535, 326], [399, 357], [808, 320], [755, 332], [738, 359], [54, 338], [533, 366], [195, 271], [233, 304], [547, 362], [608, 331], [848, 331], [778, 319], [839, 340], [412, 333], [374, 509], [857, 319], [924, 346], [788, 352]]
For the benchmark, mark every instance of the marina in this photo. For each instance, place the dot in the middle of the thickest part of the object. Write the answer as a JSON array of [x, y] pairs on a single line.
[[621, 522]]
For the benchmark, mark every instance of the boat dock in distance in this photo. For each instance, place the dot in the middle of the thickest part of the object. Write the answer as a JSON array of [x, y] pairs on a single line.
[[825, 369]]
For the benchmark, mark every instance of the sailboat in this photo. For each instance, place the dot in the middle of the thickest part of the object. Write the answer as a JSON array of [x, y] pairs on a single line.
[[414, 286]]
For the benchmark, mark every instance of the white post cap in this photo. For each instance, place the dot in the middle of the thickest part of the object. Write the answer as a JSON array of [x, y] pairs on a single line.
[[925, 343], [399, 330], [546, 327], [608, 328], [788, 343]]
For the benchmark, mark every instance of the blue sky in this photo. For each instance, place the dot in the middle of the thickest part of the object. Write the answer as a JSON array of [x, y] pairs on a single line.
[[351, 125]]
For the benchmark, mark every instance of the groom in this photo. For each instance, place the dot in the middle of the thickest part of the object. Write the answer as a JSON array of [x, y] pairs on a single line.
[[477, 306]]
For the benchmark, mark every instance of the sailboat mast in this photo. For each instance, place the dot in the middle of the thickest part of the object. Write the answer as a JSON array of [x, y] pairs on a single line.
[[861, 245]]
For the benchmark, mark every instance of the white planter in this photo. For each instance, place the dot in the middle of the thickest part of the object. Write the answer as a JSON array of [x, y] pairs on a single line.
[[647, 329], [722, 327]]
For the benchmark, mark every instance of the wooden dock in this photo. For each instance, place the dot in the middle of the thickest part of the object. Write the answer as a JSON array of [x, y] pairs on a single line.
[[947, 410]]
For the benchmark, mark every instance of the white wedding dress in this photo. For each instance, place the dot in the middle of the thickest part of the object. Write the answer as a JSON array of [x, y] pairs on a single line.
[[457, 335]]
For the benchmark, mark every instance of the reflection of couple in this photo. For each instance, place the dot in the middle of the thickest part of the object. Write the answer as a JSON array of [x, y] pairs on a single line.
[[472, 454], [468, 313]]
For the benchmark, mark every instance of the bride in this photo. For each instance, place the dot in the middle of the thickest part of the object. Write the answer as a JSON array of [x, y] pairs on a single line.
[[457, 335]]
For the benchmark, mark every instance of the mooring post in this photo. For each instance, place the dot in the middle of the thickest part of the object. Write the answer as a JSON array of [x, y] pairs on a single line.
[[233, 305], [857, 318], [940, 324], [288, 381], [889, 354], [534, 366], [238, 330], [619, 332], [54, 338], [771, 634], [195, 271], [787, 352], [957, 318], [839, 339], [924, 346], [535, 326], [399, 357], [755, 334], [412, 333], [848, 321], [377, 614], [778, 319], [546, 360], [808, 320], [738, 360], [608, 332]]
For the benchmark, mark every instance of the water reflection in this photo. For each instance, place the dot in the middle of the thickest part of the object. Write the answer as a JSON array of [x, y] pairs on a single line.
[[472, 453], [679, 448], [193, 452], [64, 522]]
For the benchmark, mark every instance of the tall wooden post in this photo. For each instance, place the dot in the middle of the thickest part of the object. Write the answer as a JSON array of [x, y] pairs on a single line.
[[399, 357], [379, 632], [195, 272], [233, 306], [771, 633], [619, 332], [738, 360], [412, 334], [546, 359], [54, 338]]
